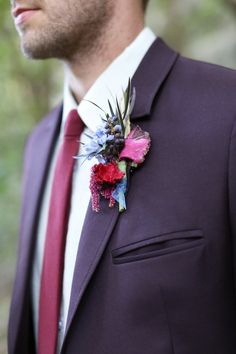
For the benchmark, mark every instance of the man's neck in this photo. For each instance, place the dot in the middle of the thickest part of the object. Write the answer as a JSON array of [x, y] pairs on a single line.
[[84, 68]]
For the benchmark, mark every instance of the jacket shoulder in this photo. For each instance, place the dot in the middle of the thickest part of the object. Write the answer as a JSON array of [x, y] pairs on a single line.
[[203, 87], [52, 119], [207, 74]]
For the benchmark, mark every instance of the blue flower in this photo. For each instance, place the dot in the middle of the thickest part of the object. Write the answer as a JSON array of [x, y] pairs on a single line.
[[92, 148], [97, 143], [119, 193]]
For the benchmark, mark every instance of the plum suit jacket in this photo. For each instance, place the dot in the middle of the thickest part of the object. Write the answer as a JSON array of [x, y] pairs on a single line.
[[159, 278]]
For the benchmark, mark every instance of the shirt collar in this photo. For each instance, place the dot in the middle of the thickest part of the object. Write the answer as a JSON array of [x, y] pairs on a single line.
[[110, 84]]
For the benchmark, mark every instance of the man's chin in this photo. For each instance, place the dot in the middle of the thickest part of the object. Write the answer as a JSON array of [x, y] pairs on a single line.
[[31, 51]]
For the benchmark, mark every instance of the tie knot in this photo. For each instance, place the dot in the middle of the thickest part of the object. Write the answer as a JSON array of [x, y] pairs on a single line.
[[74, 125]]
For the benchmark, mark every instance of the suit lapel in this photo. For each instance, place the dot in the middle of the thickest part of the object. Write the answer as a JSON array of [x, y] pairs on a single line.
[[98, 227], [38, 155], [95, 235], [150, 75]]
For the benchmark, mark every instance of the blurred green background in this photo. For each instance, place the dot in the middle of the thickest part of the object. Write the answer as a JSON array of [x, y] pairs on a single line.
[[202, 29]]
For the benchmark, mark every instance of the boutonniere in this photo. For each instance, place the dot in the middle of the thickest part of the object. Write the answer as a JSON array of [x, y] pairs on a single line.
[[118, 147]]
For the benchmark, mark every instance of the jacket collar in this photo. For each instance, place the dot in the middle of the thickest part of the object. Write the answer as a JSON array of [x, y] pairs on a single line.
[[150, 75]]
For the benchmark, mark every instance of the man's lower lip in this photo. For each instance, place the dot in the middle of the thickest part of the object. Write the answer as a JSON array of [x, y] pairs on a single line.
[[24, 16]]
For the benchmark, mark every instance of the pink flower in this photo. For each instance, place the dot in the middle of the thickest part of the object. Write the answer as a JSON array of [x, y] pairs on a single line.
[[136, 146]]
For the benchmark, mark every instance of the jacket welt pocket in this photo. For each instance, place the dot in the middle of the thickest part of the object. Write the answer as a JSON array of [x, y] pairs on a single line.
[[158, 246]]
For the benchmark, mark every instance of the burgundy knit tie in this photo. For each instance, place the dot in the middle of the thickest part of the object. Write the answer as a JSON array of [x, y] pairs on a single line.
[[53, 261]]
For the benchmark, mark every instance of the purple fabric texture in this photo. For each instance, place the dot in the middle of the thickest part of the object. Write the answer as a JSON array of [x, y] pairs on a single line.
[[159, 278]]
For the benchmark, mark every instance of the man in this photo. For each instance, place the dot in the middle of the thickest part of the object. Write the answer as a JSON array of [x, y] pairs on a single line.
[[160, 277]]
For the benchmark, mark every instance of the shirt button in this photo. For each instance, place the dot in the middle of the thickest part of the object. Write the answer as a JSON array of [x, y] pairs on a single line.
[[60, 325]]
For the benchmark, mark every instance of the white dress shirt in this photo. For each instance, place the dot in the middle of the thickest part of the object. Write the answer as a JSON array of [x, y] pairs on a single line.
[[109, 85]]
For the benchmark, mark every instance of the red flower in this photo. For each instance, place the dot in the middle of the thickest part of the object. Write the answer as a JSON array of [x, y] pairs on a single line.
[[107, 173]]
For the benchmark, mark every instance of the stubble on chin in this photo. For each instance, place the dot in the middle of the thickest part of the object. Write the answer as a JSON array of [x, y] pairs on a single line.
[[63, 37]]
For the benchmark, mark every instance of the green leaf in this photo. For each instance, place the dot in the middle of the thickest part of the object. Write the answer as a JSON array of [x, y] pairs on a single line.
[[127, 95], [111, 109], [120, 117], [95, 105]]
